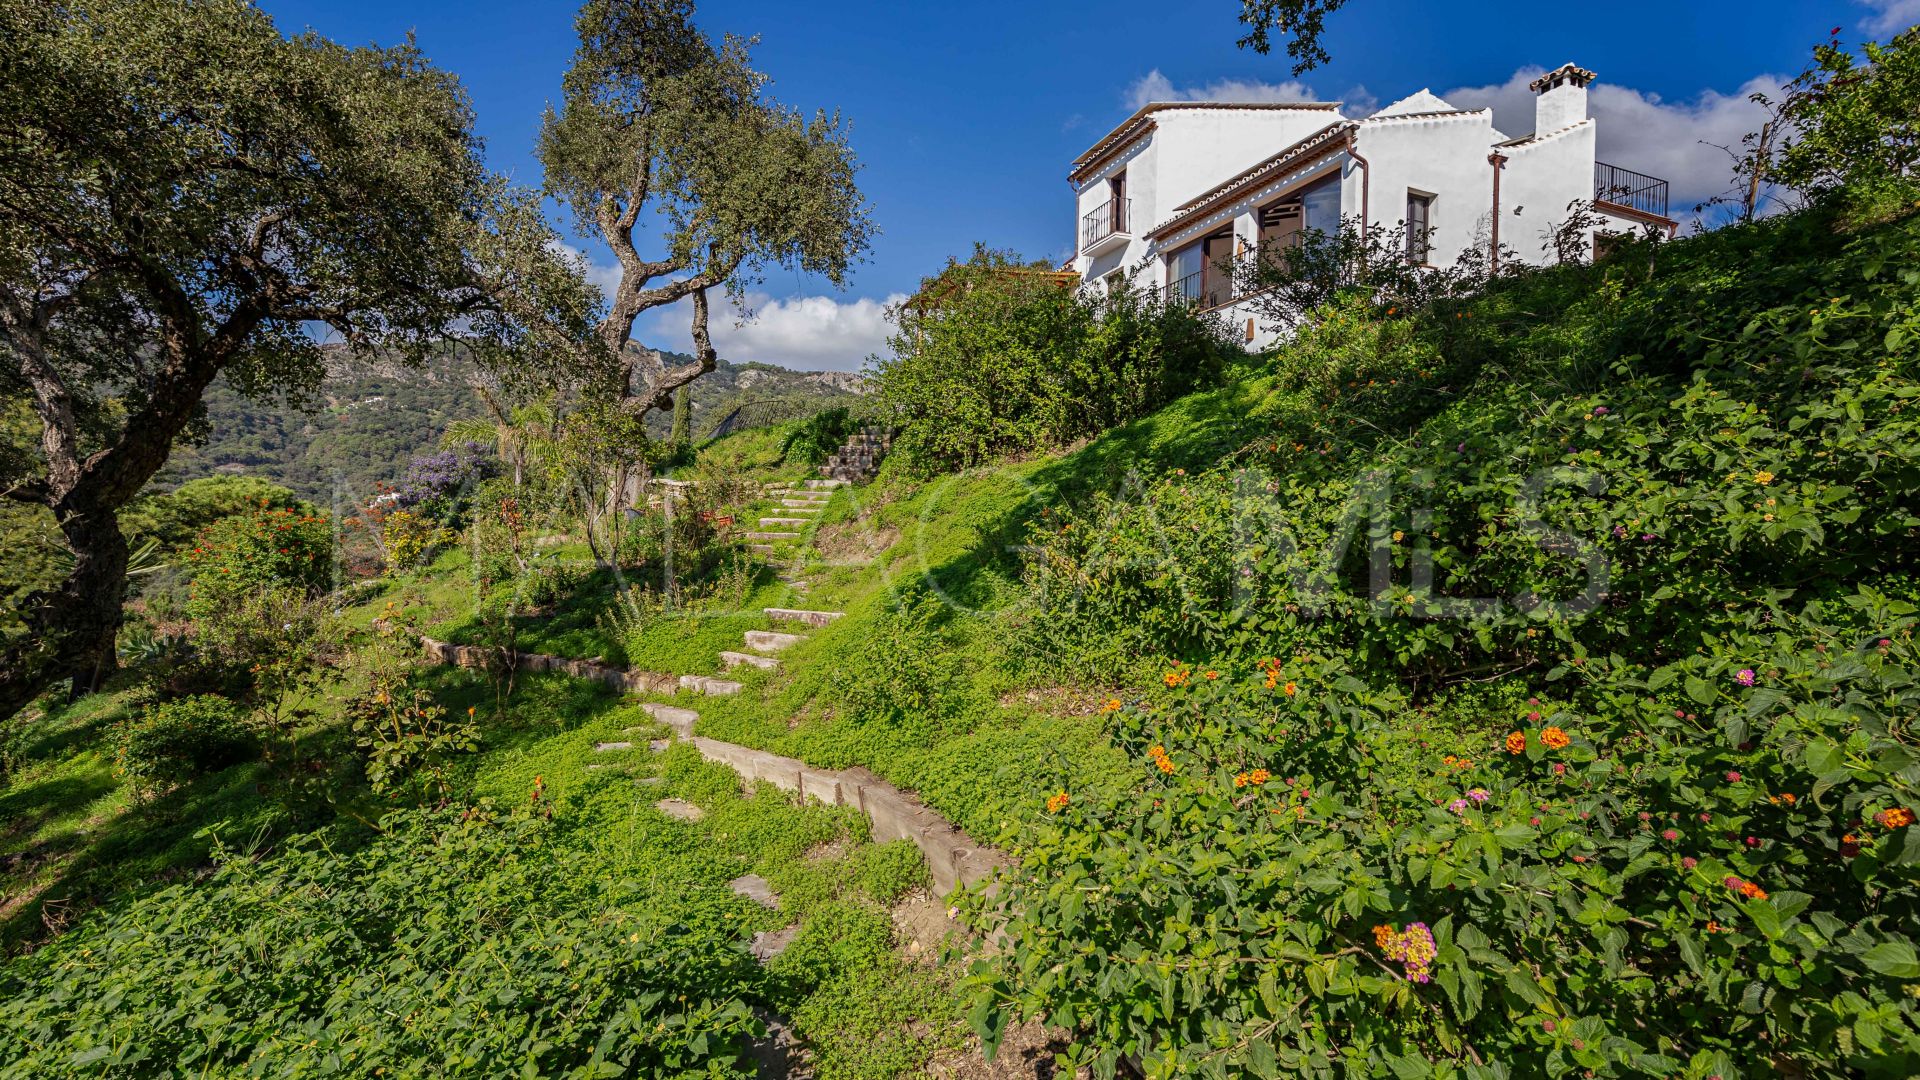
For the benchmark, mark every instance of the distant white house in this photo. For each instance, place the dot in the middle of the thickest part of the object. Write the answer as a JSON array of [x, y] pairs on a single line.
[[1181, 189]]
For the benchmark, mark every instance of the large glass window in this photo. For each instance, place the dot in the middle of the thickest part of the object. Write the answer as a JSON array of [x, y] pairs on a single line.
[[1183, 273], [1320, 205]]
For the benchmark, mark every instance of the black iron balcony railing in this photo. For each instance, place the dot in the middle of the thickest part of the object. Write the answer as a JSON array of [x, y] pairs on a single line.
[[1647, 194], [1186, 290], [1102, 221]]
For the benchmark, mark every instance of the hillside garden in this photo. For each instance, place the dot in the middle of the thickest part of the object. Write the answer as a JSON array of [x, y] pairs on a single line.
[[1516, 679]]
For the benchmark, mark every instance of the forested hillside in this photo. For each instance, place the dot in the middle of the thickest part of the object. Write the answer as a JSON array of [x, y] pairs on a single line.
[[369, 421]]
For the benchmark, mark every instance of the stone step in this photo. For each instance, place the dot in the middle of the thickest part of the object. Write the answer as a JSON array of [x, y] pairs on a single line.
[[755, 888], [822, 484], [729, 659], [764, 522], [813, 494], [765, 536], [760, 549], [679, 719], [768, 944], [604, 747], [771, 640], [811, 618], [796, 504], [680, 808], [801, 510], [707, 684]]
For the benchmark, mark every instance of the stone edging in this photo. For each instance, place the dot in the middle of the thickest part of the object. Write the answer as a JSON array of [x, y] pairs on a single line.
[[953, 858]]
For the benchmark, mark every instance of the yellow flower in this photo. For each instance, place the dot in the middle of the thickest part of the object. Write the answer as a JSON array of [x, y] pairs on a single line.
[[1112, 705], [1763, 478], [1398, 536]]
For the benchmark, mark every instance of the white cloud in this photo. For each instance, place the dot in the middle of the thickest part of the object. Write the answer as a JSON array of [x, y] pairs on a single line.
[[806, 333], [1155, 86], [1890, 16], [603, 276], [1678, 141]]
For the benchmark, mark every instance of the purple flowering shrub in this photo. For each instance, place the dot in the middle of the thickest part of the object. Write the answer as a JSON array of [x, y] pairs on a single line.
[[438, 485]]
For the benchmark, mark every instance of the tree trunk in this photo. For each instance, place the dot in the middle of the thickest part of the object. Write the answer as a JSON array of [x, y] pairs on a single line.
[[72, 632]]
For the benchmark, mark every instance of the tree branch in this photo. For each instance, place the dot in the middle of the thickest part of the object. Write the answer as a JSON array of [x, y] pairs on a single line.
[[52, 399]]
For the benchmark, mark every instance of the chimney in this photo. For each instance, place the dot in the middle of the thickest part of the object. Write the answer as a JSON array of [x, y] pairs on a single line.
[[1562, 98]]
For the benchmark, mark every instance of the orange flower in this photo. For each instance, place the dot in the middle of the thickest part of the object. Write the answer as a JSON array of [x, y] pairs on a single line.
[[1160, 759], [1554, 738], [1259, 776], [1240, 780], [1290, 689], [1176, 677], [1057, 803], [1894, 819], [1112, 705], [1517, 742], [1382, 935]]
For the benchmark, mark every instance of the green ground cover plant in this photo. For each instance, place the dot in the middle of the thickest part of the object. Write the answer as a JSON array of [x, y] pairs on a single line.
[[1655, 827]]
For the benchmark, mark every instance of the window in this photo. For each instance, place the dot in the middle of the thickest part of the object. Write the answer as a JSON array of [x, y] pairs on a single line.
[[1419, 224], [1183, 274], [1320, 205]]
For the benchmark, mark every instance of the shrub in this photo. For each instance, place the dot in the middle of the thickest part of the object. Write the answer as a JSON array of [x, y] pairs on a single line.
[[176, 517], [903, 679], [241, 554], [1647, 811], [1704, 868], [412, 539], [993, 358], [1851, 130], [173, 741], [818, 437]]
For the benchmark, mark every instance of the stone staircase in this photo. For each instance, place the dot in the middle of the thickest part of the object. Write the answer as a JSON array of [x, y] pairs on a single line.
[[859, 459], [784, 518]]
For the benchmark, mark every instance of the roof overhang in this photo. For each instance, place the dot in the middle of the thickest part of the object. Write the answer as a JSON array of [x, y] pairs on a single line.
[[1622, 210], [1137, 126], [1328, 140]]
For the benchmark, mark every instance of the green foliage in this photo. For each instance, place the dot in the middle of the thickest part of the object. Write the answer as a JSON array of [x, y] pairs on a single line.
[[174, 741], [412, 539], [888, 872], [903, 677], [992, 359], [404, 735], [176, 518], [455, 944], [239, 555], [1647, 520], [1852, 135], [818, 437], [1652, 872], [255, 185], [1301, 21]]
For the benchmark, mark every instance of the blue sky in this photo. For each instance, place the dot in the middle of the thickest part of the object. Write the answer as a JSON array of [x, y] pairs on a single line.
[[966, 115]]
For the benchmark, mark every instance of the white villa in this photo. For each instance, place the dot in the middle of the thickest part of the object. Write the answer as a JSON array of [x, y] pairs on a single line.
[[1180, 189]]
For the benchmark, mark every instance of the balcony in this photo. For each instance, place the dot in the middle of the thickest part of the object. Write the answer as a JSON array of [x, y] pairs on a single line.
[[1626, 188], [1104, 228]]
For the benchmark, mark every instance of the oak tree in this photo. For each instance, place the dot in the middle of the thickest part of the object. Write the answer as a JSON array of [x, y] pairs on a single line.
[[186, 194], [657, 116]]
